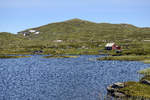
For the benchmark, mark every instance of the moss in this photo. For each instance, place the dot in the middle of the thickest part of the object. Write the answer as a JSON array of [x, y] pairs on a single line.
[[146, 77], [136, 89], [145, 71], [146, 61]]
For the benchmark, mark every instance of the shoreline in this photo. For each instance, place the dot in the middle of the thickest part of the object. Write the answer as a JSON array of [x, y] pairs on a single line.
[[130, 89], [141, 58]]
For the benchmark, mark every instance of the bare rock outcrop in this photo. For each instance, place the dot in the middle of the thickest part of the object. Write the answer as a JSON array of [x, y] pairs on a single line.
[[113, 89]]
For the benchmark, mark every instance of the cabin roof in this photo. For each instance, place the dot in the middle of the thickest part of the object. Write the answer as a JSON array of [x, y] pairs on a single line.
[[109, 44]]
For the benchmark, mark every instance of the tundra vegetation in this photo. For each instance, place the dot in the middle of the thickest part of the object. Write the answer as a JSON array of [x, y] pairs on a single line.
[[143, 58], [77, 37]]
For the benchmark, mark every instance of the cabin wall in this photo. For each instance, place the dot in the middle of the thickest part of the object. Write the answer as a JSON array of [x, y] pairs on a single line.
[[108, 48]]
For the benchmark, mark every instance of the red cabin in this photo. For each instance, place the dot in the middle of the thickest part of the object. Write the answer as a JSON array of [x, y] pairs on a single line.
[[112, 46]]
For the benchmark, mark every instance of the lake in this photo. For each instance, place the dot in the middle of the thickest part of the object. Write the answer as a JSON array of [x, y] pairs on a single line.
[[82, 78]]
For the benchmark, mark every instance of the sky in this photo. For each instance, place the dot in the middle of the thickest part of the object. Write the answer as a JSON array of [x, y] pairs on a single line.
[[18, 15]]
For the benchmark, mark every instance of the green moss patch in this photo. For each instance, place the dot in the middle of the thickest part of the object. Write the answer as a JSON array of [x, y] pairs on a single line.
[[145, 71], [146, 77], [136, 89]]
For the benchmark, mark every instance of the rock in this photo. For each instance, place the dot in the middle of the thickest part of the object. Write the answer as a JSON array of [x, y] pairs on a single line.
[[118, 94], [118, 85], [144, 81], [113, 89]]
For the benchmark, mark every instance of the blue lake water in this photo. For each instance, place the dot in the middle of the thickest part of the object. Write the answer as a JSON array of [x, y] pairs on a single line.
[[82, 78]]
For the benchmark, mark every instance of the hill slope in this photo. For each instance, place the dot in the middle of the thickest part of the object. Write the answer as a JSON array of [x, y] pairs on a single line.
[[8, 40], [81, 30], [78, 35]]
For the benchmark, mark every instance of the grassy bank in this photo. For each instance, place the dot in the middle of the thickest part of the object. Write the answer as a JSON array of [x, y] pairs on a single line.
[[8, 56], [53, 51], [145, 71], [136, 89], [142, 58]]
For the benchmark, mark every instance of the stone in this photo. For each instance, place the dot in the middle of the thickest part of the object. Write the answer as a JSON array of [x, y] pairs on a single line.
[[118, 94], [118, 85], [110, 89], [144, 81], [113, 89]]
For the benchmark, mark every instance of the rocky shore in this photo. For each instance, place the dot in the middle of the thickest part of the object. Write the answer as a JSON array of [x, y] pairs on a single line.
[[132, 89], [113, 89]]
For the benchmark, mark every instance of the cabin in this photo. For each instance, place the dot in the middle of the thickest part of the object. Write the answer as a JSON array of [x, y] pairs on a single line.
[[112, 46], [25, 34]]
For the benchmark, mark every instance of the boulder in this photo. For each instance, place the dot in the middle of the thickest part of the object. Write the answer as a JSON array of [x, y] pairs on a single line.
[[113, 89], [118, 94], [118, 85], [144, 81]]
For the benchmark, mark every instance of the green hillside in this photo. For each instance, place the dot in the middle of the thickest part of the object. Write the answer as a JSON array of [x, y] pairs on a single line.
[[8, 40], [78, 36], [81, 30]]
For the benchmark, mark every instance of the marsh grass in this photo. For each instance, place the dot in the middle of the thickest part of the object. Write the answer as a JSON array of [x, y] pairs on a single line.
[[11, 56], [142, 58]]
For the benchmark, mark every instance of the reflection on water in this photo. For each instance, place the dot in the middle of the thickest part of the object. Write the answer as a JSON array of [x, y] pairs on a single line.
[[82, 78]]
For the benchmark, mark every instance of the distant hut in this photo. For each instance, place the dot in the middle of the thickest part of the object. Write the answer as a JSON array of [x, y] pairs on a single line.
[[58, 41], [32, 31], [112, 46], [37, 32]]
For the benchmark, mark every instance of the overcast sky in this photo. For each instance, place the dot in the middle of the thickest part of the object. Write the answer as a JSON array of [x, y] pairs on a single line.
[[17, 15]]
